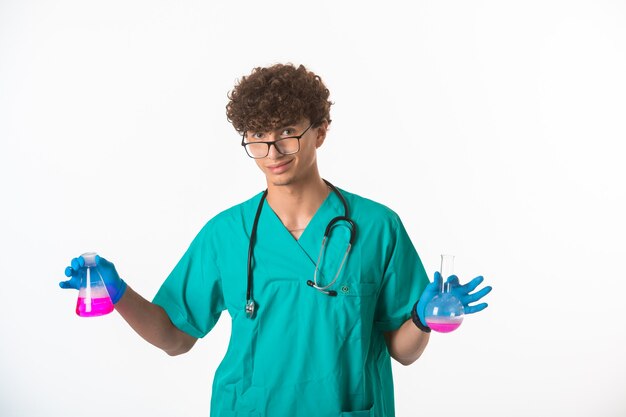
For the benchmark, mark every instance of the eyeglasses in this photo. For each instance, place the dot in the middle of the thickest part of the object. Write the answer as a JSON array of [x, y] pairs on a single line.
[[285, 146]]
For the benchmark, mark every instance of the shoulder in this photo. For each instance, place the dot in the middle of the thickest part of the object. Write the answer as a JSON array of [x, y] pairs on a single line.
[[370, 210], [380, 226], [238, 210], [236, 216]]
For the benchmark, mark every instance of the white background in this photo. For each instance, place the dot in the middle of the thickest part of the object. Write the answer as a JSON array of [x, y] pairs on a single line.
[[495, 129]]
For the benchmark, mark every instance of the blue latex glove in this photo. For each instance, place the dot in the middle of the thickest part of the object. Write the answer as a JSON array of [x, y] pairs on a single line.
[[115, 285], [462, 292]]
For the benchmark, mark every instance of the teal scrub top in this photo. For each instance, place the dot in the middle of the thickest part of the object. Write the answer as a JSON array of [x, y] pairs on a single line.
[[305, 353]]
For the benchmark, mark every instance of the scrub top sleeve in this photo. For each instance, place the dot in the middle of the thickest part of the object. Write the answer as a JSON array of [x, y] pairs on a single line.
[[192, 294], [404, 280]]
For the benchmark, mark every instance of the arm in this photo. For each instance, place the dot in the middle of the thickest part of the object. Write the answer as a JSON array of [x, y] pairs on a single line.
[[149, 320], [152, 323], [407, 343]]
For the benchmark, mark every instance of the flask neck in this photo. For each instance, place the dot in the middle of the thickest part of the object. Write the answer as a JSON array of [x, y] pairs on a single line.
[[90, 259], [447, 269]]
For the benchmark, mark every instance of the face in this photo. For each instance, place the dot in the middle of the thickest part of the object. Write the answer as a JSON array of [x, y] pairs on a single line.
[[283, 170]]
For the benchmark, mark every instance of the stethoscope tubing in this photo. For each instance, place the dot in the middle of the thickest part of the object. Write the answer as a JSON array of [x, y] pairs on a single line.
[[251, 245], [250, 304]]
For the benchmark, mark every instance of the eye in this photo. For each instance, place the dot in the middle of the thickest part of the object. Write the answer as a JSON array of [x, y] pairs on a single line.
[[257, 135], [287, 132]]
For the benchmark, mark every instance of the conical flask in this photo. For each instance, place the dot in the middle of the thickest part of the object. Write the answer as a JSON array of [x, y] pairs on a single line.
[[444, 313], [93, 297]]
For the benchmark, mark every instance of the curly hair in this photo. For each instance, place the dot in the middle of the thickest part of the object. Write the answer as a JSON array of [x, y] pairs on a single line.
[[277, 96]]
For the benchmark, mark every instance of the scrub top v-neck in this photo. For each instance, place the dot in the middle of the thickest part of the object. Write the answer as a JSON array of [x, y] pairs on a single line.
[[305, 353], [310, 236]]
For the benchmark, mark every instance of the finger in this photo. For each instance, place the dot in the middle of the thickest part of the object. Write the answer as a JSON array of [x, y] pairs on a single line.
[[471, 286], [453, 280], [68, 271], [78, 263], [470, 298], [65, 284], [438, 278], [476, 308]]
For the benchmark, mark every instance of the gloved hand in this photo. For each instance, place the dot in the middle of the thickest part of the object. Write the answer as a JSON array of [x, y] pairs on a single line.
[[462, 292], [115, 285]]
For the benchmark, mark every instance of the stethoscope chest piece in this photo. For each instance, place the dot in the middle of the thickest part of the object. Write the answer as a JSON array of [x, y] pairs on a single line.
[[250, 309]]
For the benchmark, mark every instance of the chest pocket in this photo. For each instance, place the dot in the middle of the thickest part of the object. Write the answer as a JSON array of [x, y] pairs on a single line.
[[352, 310]]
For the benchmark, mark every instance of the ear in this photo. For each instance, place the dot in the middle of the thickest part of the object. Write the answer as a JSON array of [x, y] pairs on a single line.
[[321, 133]]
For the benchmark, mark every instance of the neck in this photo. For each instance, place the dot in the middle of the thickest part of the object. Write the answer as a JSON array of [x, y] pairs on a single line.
[[295, 204]]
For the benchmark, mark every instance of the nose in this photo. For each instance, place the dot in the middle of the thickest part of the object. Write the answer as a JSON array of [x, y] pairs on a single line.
[[273, 152]]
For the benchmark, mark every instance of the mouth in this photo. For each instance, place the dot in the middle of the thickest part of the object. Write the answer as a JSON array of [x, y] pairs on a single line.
[[279, 167]]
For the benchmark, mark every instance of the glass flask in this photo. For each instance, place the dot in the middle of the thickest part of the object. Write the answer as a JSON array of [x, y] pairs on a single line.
[[444, 313], [93, 297]]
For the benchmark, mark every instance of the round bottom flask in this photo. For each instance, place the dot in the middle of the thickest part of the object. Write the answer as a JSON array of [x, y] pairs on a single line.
[[444, 313]]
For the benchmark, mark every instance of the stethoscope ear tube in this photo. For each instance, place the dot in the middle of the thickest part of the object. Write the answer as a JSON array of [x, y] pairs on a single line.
[[338, 219]]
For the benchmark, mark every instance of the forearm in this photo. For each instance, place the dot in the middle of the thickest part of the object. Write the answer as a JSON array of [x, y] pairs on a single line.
[[407, 343], [152, 323]]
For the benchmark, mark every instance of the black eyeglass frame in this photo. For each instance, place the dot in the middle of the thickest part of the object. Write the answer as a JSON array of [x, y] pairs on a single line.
[[272, 142]]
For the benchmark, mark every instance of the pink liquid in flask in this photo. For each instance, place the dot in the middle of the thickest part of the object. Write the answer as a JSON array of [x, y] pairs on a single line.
[[442, 325], [93, 298], [99, 307]]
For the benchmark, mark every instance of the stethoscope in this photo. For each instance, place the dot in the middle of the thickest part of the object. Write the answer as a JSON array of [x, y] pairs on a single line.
[[250, 303]]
